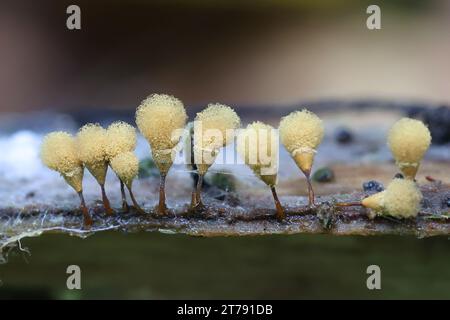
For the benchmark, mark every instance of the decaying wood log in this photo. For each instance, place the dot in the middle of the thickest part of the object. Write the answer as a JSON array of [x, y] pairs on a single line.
[[222, 219], [37, 203]]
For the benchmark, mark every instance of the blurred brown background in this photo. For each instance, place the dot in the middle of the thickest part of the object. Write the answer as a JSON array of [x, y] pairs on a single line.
[[239, 52]]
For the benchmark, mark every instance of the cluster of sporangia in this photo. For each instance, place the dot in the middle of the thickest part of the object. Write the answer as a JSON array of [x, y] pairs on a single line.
[[159, 117]]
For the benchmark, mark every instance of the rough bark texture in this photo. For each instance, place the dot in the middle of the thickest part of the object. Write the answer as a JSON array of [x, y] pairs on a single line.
[[222, 219]]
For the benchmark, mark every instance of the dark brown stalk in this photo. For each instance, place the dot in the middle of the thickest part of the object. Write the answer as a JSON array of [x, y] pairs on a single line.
[[125, 207], [87, 219], [135, 203], [198, 192], [193, 198], [311, 198], [109, 211], [280, 211], [162, 208]]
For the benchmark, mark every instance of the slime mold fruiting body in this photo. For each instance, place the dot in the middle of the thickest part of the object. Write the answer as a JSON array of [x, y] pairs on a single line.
[[126, 166], [408, 140], [213, 129], [401, 199], [92, 143], [258, 146], [301, 132], [120, 138], [59, 152], [161, 119]]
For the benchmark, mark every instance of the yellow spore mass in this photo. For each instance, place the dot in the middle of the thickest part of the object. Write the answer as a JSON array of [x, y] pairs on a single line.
[[59, 152], [91, 139], [213, 129], [120, 138], [258, 146], [301, 132], [400, 199], [126, 166], [161, 118]]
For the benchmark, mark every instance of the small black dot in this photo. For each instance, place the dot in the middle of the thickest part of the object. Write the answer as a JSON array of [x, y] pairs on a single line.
[[448, 202], [399, 176], [373, 185], [343, 136]]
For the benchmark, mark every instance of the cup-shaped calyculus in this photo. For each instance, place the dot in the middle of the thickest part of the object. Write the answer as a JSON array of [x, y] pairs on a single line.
[[301, 132], [408, 140], [400, 199], [161, 119], [120, 138], [59, 153], [214, 128], [92, 143], [257, 144]]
